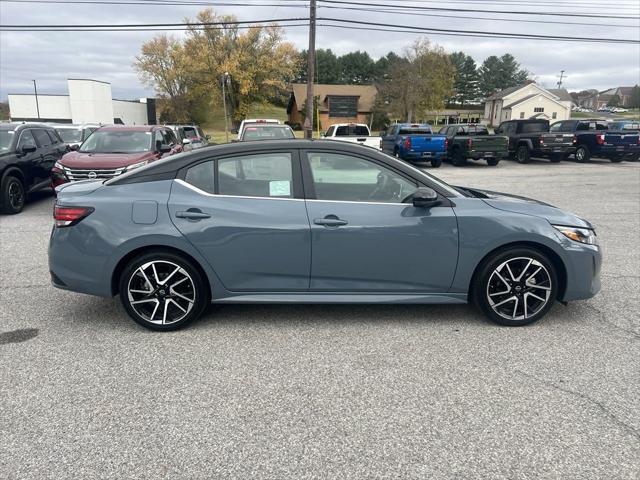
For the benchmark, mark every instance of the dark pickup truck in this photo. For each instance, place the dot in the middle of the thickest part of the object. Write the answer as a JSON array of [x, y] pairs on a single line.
[[470, 141], [531, 138], [594, 138]]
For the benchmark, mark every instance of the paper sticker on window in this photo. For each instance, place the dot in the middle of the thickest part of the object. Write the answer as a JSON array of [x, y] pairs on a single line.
[[280, 188]]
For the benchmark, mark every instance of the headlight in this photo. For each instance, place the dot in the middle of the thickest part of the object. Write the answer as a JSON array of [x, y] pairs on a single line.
[[136, 165], [582, 235], [58, 165]]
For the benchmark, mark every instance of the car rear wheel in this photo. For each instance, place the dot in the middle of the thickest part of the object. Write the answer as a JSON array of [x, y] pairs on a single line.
[[522, 154], [556, 157], [162, 291], [582, 154], [13, 195], [617, 158], [516, 287], [492, 162], [436, 163]]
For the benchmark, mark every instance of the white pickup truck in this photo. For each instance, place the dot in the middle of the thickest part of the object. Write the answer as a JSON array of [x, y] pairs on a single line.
[[354, 133]]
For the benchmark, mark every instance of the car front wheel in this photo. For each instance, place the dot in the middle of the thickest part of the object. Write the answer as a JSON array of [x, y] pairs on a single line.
[[516, 287], [162, 291], [13, 195]]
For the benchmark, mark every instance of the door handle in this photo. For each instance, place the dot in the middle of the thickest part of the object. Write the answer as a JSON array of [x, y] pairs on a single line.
[[330, 221], [193, 214]]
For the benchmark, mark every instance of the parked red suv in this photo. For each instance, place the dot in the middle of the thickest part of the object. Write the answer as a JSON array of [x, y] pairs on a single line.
[[113, 150]]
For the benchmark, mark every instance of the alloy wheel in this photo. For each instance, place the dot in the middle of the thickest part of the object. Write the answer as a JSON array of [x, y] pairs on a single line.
[[580, 154], [161, 292], [519, 288], [15, 194]]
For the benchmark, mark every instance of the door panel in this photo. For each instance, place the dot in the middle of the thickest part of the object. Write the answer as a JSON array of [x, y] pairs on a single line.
[[253, 243], [365, 239], [382, 247]]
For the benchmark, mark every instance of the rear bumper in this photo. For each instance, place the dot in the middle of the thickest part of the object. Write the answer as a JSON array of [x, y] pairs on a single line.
[[475, 155], [422, 156], [608, 151], [549, 150]]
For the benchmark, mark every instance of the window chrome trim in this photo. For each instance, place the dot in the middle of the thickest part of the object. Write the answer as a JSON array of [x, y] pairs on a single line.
[[207, 194]]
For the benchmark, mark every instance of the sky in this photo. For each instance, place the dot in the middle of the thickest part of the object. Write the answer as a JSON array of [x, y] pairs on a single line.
[[52, 57]]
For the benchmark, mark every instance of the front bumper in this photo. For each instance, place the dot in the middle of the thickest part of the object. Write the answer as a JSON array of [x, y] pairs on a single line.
[[583, 264]]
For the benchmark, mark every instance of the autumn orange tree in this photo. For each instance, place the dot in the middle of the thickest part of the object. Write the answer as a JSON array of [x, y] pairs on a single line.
[[188, 73]]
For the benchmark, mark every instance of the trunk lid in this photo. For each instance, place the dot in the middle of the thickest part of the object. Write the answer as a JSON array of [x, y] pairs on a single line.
[[620, 139], [557, 139], [81, 187], [426, 143], [489, 143]]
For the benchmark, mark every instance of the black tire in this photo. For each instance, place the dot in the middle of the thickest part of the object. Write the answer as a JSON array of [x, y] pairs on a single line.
[[492, 162], [556, 157], [458, 159], [485, 282], [616, 158], [522, 154], [582, 155], [13, 195], [194, 289], [436, 163]]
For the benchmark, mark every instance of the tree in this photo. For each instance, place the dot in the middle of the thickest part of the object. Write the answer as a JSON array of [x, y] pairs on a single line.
[[500, 73], [327, 67], [356, 68], [419, 82], [614, 101], [466, 79], [161, 65], [258, 61]]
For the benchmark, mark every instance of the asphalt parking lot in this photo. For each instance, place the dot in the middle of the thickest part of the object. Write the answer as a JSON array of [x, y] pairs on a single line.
[[330, 391]]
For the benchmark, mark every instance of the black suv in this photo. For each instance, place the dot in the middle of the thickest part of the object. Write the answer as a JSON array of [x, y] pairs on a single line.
[[28, 151], [531, 138]]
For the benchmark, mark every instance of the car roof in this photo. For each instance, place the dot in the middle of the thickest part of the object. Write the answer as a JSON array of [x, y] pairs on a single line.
[[131, 128], [21, 125], [167, 167]]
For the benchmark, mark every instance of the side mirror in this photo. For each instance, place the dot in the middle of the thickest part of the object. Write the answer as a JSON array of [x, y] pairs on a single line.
[[425, 197], [186, 141], [74, 147], [208, 137], [27, 148], [322, 135], [497, 131], [234, 131], [164, 148]]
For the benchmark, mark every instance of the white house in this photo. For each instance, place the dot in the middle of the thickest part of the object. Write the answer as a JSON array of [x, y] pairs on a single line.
[[527, 101], [88, 101]]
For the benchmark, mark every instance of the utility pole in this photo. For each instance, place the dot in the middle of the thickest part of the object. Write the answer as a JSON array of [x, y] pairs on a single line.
[[225, 79], [561, 77], [35, 89], [311, 63]]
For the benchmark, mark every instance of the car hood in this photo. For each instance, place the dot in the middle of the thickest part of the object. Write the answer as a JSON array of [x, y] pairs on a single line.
[[104, 160], [529, 206]]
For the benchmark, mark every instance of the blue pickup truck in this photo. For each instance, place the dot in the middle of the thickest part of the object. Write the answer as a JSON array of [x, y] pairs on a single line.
[[415, 143], [594, 138]]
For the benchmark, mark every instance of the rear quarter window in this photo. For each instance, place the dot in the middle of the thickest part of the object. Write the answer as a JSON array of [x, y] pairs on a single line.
[[202, 176]]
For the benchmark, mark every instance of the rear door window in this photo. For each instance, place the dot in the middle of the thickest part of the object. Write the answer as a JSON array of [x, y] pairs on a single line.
[[534, 127], [261, 175], [26, 138], [42, 137]]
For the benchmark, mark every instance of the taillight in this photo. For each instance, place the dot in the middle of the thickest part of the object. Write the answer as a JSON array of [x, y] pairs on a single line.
[[407, 143], [67, 216], [469, 142], [600, 138], [575, 139]]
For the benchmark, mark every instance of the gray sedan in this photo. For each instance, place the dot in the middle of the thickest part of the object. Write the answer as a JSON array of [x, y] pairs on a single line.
[[301, 221]]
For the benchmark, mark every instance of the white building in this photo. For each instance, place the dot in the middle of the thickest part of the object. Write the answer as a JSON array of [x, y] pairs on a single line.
[[88, 101], [527, 101]]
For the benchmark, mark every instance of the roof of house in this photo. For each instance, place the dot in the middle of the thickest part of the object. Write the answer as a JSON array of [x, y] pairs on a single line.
[[521, 100], [562, 94], [366, 94], [505, 92], [625, 91]]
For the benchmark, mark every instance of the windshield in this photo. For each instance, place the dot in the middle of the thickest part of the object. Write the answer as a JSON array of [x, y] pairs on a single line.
[[352, 131], [102, 141], [267, 133], [70, 135], [190, 133], [6, 137]]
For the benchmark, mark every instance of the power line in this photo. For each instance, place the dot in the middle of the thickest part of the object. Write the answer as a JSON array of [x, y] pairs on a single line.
[[510, 12]]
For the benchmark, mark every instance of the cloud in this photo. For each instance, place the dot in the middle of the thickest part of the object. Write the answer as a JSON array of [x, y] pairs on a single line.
[[52, 57]]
